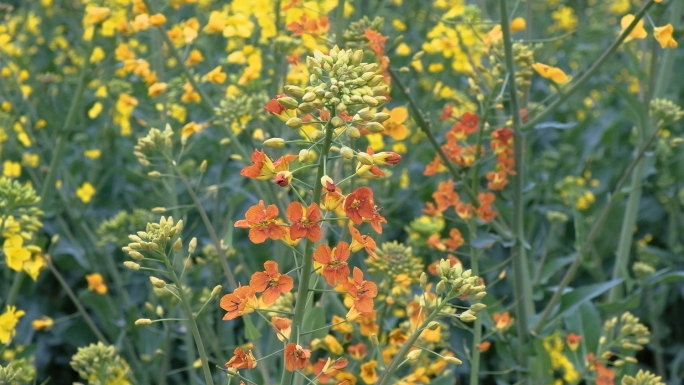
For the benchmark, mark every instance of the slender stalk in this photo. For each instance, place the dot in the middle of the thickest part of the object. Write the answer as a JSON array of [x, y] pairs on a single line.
[[590, 72], [207, 223], [593, 232], [522, 284], [399, 357], [307, 264], [191, 321], [14, 289], [339, 23], [77, 303], [477, 325]]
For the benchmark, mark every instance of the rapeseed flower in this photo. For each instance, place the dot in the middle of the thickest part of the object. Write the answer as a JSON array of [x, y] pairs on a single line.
[[96, 283], [638, 32], [664, 36], [8, 322], [85, 192]]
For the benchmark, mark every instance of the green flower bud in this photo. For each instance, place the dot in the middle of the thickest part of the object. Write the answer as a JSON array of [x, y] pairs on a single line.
[[275, 143]]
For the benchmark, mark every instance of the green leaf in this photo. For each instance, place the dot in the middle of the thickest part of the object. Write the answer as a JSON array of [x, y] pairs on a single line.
[[570, 301], [314, 319], [587, 323], [251, 332], [484, 240], [554, 265], [665, 276]]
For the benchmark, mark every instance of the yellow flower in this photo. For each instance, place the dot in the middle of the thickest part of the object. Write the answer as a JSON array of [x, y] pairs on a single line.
[[664, 36], [156, 89], [85, 192], [554, 73], [95, 110], [368, 373], [518, 24], [189, 129], [637, 33], [157, 19], [565, 18], [394, 126], [403, 49], [96, 15], [96, 283], [141, 22], [30, 160], [8, 321], [33, 266], [92, 154], [216, 24], [15, 252], [11, 169], [42, 324], [216, 76], [97, 55]]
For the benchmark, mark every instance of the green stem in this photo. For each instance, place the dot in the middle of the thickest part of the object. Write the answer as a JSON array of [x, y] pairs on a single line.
[[477, 325], [191, 321], [307, 266], [590, 72], [77, 303], [339, 24], [399, 357], [522, 288], [593, 232], [207, 223], [14, 289]]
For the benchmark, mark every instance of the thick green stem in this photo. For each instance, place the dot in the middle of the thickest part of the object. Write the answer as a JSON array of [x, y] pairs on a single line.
[[477, 325], [567, 93], [191, 321], [307, 264], [522, 287]]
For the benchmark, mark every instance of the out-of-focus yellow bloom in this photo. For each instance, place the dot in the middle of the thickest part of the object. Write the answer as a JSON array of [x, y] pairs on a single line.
[[95, 15], [403, 49], [554, 73], [92, 154], [564, 18], [156, 89], [194, 57], [141, 22], [95, 110], [96, 283], [41, 123], [157, 19], [664, 36], [637, 33], [190, 129], [11, 169], [216, 76], [6, 106], [33, 266], [30, 160], [518, 24], [97, 55], [42, 324], [216, 23], [399, 25], [85, 192]]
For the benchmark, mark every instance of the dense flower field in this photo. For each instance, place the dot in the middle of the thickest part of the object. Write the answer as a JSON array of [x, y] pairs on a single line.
[[341, 192]]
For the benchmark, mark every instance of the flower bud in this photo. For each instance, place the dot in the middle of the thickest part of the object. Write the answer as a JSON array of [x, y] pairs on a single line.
[[283, 178], [216, 290], [381, 117], [132, 265], [413, 355], [154, 174], [143, 322], [304, 155], [468, 316], [371, 101], [453, 360], [353, 132], [337, 122], [386, 158], [203, 166], [178, 245], [365, 114], [418, 56], [423, 280], [294, 122], [439, 289], [192, 245], [374, 340], [157, 282], [309, 97], [478, 307], [135, 255], [433, 325], [375, 127], [275, 142], [346, 152], [364, 158], [294, 91], [317, 134], [288, 102]]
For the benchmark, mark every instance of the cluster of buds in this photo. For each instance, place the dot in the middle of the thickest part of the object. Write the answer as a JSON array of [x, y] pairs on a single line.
[[100, 364], [665, 111], [523, 57], [17, 201], [355, 34], [154, 238], [154, 141], [642, 378], [339, 79], [456, 282], [18, 371], [625, 333]]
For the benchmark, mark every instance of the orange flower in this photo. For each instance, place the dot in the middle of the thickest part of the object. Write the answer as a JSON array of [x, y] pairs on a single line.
[[96, 283], [455, 239], [274, 107], [484, 346], [394, 126], [357, 352], [332, 196], [637, 33], [264, 168], [282, 326], [361, 242], [376, 220], [548, 72], [261, 223], [464, 210], [485, 211], [604, 375], [359, 204], [664, 36], [335, 268], [445, 195], [304, 222], [368, 373], [314, 27], [573, 341], [467, 125], [503, 321], [240, 302], [241, 360], [362, 292], [296, 357], [271, 282], [496, 180]]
